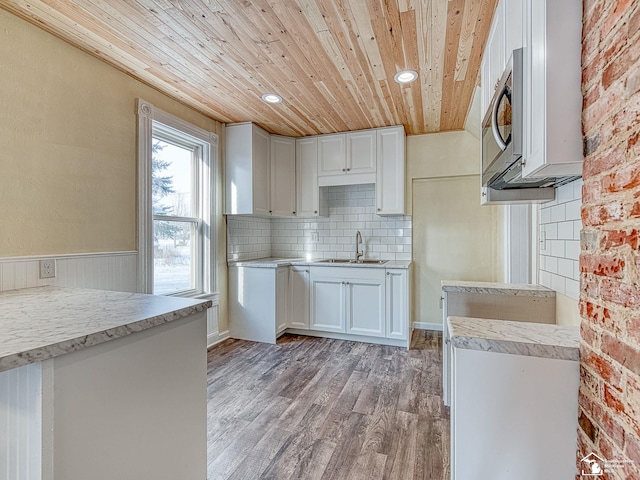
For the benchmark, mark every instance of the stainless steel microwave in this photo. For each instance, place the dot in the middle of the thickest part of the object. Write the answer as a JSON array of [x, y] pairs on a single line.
[[502, 126], [503, 138]]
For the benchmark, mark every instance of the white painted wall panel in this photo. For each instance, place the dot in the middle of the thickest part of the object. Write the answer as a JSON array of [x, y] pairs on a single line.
[[109, 271], [21, 423]]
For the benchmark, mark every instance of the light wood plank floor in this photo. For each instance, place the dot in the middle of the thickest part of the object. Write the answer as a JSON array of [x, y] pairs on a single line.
[[315, 408]]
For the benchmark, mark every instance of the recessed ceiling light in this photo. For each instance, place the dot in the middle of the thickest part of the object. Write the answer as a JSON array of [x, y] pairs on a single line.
[[271, 98], [405, 76]]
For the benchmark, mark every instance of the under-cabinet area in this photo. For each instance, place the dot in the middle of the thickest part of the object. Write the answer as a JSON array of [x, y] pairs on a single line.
[[367, 302]]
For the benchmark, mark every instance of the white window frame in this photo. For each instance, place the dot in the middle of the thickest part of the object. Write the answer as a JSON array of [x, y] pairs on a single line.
[[148, 118]]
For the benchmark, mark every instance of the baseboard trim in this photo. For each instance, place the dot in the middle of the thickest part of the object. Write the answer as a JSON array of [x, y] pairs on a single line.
[[217, 337], [427, 326], [350, 337]]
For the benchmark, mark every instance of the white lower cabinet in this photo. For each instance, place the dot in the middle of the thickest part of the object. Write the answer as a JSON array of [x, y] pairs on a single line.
[[258, 302], [366, 303], [348, 300], [298, 314], [282, 299], [398, 303], [327, 300], [513, 416]]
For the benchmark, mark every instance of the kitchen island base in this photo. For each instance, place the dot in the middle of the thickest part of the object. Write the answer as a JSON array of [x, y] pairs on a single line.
[[130, 408]]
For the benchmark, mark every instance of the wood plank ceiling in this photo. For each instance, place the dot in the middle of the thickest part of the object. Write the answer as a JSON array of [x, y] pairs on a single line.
[[332, 61]]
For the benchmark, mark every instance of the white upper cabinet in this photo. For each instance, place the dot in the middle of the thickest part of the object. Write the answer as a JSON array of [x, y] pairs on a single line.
[[283, 176], [550, 31], [309, 197], [361, 152], [260, 172], [553, 95], [514, 31], [247, 170], [347, 158], [390, 171], [272, 175], [507, 33], [332, 155]]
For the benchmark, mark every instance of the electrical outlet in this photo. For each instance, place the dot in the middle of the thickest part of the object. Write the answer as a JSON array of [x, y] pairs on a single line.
[[314, 237], [48, 268]]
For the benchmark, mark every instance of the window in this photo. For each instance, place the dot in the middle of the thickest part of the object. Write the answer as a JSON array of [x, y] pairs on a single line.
[[176, 178]]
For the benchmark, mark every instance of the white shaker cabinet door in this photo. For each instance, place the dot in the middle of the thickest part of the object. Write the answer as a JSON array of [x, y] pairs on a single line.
[[397, 304], [283, 176], [261, 172], [391, 171], [299, 297], [365, 306], [308, 194], [327, 304], [361, 152], [331, 155]]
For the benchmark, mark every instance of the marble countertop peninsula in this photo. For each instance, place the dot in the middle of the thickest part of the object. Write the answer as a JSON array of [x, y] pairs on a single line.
[[45, 322], [524, 289], [518, 338], [274, 262]]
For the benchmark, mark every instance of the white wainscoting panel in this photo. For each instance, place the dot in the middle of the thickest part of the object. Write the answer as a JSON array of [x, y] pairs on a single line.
[[21, 423], [103, 271], [213, 334]]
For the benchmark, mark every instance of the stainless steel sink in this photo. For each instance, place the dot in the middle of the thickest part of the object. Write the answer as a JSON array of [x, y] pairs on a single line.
[[359, 262]]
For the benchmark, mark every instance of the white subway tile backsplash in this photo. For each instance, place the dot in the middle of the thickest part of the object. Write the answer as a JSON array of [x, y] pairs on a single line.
[[558, 213], [557, 248], [565, 267], [551, 264], [558, 283], [560, 223], [572, 249], [565, 230], [551, 231], [572, 288], [351, 209], [573, 210]]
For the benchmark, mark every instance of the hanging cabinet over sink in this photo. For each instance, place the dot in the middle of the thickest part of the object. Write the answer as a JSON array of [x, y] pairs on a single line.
[[347, 158], [272, 175]]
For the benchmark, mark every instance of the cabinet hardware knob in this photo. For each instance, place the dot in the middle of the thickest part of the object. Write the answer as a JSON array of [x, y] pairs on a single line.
[[315, 211], [270, 211], [294, 213], [379, 209], [348, 169], [344, 169], [388, 273]]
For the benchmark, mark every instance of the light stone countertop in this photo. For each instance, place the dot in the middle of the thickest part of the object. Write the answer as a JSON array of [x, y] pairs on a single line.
[[45, 322], [274, 262], [523, 289], [518, 338]]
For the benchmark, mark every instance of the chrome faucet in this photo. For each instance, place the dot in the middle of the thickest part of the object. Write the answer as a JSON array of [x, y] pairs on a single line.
[[358, 242]]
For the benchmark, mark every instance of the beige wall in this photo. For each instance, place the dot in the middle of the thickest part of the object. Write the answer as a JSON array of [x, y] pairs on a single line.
[[441, 164], [443, 154], [68, 149], [68, 137]]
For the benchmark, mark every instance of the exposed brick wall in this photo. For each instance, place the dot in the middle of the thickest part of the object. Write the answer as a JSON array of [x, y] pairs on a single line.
[[610, 245]]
